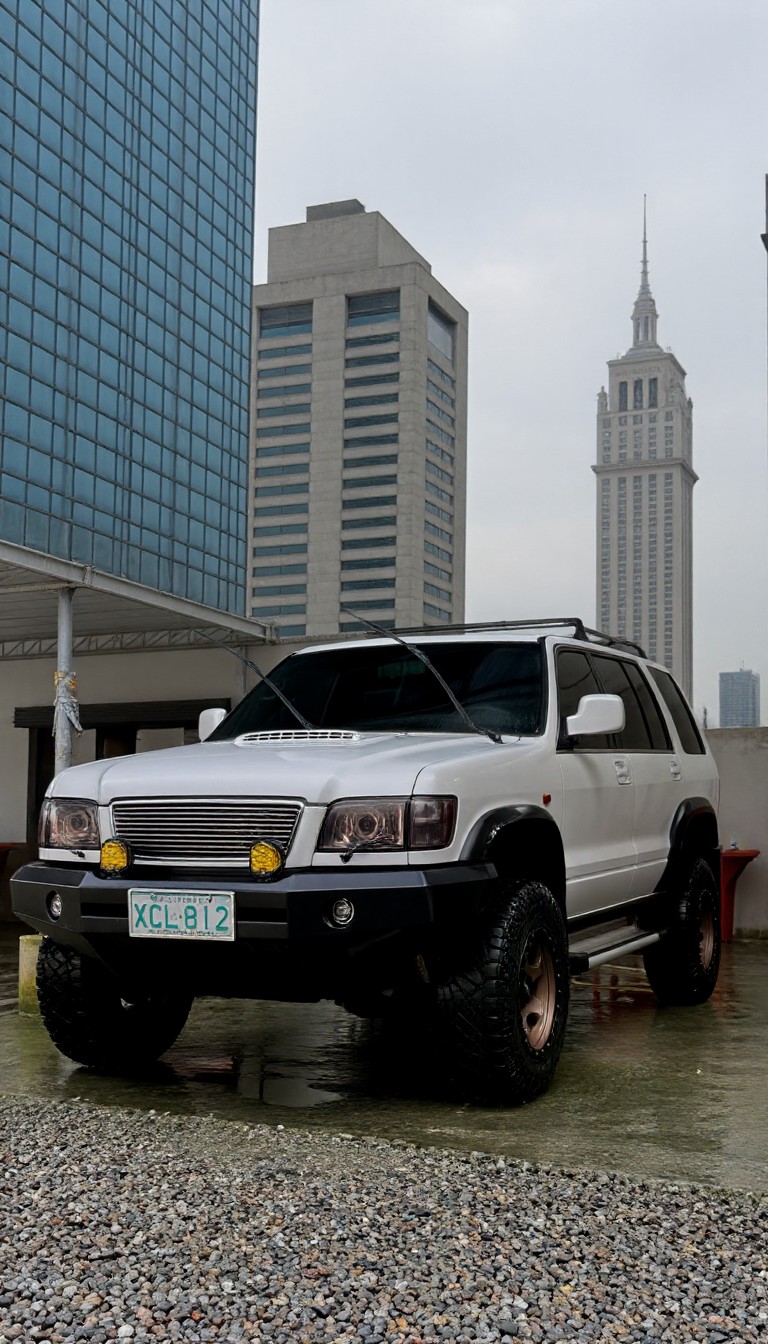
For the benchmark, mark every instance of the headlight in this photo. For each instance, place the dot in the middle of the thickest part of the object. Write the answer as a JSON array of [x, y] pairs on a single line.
[[388, 823], [68, 823]]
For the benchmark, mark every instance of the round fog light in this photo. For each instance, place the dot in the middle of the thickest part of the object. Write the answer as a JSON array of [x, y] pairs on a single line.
[[55, 905], [342, 912]]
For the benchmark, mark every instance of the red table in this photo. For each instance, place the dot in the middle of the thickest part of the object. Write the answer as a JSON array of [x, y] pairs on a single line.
[[732, 865]]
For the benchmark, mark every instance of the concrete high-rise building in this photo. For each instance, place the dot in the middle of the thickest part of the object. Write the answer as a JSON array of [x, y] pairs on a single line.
[[359, 405], [739, 699], [126, 221], [645, 480]]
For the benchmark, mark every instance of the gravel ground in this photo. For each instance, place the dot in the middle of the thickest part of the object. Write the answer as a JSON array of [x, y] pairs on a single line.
[[133, 1226]]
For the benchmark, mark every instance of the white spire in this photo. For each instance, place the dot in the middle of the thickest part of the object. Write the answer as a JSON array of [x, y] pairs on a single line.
[[644, 314]]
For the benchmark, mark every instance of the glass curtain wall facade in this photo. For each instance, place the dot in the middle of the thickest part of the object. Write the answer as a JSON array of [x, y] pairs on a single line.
[[126, 224]]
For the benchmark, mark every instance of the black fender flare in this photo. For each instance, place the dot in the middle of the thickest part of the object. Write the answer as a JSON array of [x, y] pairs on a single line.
[[487, 830], [694, 817]]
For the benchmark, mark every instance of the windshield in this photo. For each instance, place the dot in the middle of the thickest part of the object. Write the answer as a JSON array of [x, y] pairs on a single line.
[[387, 689]]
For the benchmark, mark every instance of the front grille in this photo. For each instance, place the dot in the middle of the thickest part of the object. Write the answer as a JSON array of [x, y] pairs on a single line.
[[191, 832]]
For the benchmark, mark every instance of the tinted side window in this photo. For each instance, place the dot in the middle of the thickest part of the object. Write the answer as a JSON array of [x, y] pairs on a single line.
[[690, 737], [575, 678], [660, 739], [635, 735]]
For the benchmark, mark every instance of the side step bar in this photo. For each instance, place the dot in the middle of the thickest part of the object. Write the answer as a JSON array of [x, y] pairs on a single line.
[[583, 959]]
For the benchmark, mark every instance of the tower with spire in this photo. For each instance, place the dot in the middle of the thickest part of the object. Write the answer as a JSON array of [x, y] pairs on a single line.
[[645, 481]]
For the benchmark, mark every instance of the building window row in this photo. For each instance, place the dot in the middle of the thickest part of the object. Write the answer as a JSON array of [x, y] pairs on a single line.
[[432, 549], [372, 379], [282, 352], [282, 431], [441, 594], [363, 309], [372, 502], [287, 488], [360, 421], [379, 460], [264, 570], [435, 509], [285, 320], [361, 361], [430, 610], [366, 585], [441, 393], [284, 469], [363, 482], [281, 450], [369, 562], [378, 338], [282, 609], [439, 472], [279, 589], [437, 572], [440, 373], [367, 543], [373, 399], [285, 390], [437, 451], [438, 492], [370, 440], [433, 530], [434, 409], [439, 433], [383, 520], [297, 408], [283, 371], [291, 548]]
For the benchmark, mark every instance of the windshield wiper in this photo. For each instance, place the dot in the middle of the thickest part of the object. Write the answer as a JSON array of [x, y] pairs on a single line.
[[267, 680], [422, 657]]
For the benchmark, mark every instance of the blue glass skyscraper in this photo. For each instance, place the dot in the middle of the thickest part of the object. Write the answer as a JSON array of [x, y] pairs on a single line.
[[126, 221]]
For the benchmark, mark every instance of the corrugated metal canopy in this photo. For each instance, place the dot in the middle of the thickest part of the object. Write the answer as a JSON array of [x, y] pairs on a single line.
[[108, 612]]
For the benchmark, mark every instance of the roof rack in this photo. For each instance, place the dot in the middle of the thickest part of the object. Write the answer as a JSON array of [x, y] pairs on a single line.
[[580, 630]]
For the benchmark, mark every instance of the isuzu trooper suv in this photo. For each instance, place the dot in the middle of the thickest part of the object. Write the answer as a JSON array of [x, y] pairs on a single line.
[[446, 822]]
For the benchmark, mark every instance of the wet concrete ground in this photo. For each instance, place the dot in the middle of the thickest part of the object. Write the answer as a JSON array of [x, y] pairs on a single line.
[[649, 1092]]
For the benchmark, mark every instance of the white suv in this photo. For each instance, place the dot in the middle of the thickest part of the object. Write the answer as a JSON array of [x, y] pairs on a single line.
[[454, 821]]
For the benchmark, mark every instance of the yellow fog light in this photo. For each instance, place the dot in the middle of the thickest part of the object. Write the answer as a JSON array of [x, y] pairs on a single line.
[[266, 859], [115, 857]]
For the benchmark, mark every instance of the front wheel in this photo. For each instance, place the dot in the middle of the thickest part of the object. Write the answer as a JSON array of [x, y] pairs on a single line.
[[504, 1013], [682, 968], [89, 1021]]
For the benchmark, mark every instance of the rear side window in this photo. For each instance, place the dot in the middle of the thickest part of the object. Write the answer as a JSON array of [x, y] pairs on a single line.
[[636, 734], [690, 737]]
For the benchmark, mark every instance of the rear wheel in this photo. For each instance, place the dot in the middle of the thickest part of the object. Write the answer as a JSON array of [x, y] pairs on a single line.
[[504, 1013], [682, 968], [88, 1020]]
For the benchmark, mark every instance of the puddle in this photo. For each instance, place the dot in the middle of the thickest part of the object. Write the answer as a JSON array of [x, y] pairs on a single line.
[[673, 1093]]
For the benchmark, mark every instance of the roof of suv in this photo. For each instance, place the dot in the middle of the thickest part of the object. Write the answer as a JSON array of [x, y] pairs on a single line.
[[568, 628]]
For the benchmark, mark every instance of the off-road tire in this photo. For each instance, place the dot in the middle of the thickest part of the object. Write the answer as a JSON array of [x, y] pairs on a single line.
[[682, 968], [88, 1020], [502, 1016]]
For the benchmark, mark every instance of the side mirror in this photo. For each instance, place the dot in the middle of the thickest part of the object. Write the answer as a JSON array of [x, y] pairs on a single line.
[[208, 721], [596, 714]]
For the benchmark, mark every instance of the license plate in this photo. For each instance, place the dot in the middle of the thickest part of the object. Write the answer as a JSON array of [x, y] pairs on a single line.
[[181, 914]]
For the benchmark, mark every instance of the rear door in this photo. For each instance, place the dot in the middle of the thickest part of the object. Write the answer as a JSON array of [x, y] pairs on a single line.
[[598, 800], [656, 768]]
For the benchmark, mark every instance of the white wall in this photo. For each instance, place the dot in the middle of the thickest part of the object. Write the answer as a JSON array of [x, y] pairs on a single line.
[[742, 759]]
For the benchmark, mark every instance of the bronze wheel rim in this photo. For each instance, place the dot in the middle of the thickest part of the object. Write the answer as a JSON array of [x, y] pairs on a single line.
[[539, 993], [706, 938]]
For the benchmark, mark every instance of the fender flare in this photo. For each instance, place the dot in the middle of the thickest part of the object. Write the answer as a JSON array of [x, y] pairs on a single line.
[[486, 829], [691, 813]]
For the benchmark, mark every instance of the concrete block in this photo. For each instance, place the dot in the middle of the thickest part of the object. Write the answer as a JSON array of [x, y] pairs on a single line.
[[29, 946]]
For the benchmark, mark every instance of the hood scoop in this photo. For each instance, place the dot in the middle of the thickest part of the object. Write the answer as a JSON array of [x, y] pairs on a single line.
[[297, 735]]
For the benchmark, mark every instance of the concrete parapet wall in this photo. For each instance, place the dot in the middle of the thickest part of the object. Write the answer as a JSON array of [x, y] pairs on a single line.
[[742, 760]]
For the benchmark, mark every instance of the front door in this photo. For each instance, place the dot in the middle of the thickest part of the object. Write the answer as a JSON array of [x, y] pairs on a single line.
[[598, 801]]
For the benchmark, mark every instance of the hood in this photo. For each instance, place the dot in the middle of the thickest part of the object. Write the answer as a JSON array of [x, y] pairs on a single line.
[[319, 771]]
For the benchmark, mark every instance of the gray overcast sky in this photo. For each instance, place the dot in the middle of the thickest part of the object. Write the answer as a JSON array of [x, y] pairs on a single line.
[[511, 142]]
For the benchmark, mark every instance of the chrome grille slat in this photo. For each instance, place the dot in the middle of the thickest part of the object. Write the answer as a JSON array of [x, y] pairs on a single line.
[[191, 831]]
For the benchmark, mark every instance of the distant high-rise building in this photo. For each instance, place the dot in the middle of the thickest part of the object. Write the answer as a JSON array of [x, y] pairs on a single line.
[[645, 481], [739, 699], [359, 396], [126, 214]]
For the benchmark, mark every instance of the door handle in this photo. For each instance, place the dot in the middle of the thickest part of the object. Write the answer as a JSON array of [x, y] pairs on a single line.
[[674, 770], [623, 771]]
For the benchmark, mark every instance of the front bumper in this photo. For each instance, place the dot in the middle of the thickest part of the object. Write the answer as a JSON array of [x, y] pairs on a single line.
[[295, 907]]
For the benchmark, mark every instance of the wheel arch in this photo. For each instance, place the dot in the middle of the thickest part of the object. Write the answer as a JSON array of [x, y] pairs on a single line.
[[520, 840], [693, 834]]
